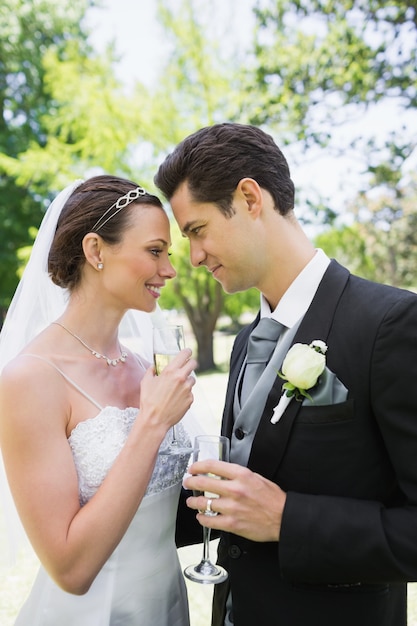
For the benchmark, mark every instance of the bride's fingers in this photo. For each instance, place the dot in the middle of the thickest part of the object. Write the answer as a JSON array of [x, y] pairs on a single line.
[[185, 355], [181, 359], [183, 362]]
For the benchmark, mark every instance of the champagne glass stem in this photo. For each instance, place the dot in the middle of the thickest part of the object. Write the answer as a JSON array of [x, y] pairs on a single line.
[[208, 447], [206, 571], [206, 544]]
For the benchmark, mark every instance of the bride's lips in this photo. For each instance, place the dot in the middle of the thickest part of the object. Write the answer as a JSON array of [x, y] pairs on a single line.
[[155, 290]]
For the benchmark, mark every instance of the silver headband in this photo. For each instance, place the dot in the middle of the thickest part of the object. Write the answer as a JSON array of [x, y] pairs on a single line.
[[121, 203]]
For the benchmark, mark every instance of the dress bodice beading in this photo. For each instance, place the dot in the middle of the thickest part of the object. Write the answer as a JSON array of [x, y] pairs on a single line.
[[95, 444]]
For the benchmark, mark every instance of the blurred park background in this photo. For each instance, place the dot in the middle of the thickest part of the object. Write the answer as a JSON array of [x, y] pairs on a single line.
[[111, 86]]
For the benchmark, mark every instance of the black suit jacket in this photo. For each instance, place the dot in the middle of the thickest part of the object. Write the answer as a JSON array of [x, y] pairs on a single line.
[[349, 531]]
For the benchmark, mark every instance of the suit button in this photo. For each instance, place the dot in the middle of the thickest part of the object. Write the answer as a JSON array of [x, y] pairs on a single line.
[[239, 433], [234, 551]]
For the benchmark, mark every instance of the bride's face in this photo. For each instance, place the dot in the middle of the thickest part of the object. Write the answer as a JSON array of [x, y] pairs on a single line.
[[135, 270]]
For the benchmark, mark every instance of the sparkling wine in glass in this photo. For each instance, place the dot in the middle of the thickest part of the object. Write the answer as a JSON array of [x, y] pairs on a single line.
[[208, 447], [167, 342]]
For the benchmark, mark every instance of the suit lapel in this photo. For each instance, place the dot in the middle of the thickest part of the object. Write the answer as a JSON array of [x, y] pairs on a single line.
[[270, 440]]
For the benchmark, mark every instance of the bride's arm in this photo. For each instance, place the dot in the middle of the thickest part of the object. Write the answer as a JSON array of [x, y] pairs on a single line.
[[74, 542]]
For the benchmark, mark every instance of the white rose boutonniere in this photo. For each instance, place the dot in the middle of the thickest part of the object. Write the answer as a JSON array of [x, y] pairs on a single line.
[[301, 369]]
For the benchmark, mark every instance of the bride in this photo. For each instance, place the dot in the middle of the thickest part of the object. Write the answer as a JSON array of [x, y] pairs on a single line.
[[84, 418]]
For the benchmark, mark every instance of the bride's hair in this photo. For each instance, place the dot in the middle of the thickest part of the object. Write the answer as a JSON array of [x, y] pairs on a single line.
[[82, 211]]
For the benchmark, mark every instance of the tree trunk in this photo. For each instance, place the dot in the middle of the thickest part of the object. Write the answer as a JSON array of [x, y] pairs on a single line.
[[205, 354], [203, 318]]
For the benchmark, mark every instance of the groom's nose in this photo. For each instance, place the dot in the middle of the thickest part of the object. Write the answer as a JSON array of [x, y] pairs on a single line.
[[197, 254]]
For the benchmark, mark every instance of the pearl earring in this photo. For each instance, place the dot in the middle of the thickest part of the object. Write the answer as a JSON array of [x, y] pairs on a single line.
[[100, 266]]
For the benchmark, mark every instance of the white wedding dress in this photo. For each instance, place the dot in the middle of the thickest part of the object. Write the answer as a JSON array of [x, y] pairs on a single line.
[[141, 584]]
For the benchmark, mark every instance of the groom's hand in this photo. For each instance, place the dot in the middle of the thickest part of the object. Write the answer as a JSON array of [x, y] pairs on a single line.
[[248, 504]]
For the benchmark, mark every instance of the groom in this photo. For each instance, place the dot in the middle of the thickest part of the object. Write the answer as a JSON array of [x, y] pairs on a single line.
[[319, 511]]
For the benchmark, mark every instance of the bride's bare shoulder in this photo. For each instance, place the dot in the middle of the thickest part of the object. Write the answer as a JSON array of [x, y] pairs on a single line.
[[32, 397], [28, 372], [32, 361]]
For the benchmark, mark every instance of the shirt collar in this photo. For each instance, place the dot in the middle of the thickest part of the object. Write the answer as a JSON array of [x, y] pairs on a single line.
[[296, 300]]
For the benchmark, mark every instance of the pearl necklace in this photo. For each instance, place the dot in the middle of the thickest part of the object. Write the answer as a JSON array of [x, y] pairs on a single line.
[[121, 359]]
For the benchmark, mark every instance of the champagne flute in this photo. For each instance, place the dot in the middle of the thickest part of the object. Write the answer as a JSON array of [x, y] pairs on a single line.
[[167, 342], [208, 447]]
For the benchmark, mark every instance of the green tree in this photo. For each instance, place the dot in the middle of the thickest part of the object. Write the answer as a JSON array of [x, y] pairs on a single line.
[[198, 295], [321, 67], [64, 116], [389, 220], [202, 299], [348, 245], [199, 85], [382, 242], [239, 303], [315, 59], [27, 30], [90, 123]]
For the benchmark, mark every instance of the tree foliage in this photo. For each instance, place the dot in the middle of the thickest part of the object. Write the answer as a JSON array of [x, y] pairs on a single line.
[[316, 67], [74, 117], [195, 89], [28, 29], [381, 244], [326, 71], [196, 293], [315, 59], [64, 116]]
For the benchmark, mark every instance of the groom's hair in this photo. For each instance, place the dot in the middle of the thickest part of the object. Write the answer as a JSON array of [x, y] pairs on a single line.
[[214, 159]]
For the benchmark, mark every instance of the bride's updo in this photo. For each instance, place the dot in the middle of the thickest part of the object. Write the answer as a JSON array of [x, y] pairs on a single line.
[[83, 213]]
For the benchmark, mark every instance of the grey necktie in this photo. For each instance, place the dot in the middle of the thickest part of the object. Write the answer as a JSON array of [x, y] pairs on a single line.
[[261, 345]]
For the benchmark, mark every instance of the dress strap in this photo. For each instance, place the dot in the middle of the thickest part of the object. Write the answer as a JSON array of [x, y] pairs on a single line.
[[67, 378]]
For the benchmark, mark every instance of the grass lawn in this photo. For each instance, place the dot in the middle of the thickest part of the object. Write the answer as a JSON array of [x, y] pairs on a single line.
[[15, 585]]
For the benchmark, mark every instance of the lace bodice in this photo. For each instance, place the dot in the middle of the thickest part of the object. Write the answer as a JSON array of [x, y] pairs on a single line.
[[96, 442]]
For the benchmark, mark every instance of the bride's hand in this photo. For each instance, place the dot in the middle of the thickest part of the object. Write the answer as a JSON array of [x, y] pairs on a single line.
[[165, 398]]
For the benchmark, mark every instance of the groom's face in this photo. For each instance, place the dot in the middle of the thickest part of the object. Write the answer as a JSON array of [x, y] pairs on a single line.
[[221, 243]]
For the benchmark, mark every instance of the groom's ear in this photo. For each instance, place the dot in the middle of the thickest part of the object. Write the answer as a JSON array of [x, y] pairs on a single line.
[[249, 189]]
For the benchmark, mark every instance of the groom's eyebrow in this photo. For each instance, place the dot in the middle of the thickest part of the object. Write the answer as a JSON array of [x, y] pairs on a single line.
[[189, 226]]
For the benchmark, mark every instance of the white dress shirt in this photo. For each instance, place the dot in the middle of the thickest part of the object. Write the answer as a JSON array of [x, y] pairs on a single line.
[[299, 295]]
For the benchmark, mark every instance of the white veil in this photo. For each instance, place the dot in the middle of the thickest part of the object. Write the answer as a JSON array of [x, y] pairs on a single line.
[[36, 303]]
